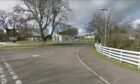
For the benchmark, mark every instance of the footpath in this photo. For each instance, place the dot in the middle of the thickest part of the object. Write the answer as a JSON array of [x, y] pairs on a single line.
[[113, 74]]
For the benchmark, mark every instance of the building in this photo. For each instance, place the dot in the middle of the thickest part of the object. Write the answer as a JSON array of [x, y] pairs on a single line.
[[89, 35], [62, 38], [57, 38]]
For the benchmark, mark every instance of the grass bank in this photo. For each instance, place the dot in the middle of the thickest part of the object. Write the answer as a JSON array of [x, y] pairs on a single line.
[[87, 40], [116, 62]]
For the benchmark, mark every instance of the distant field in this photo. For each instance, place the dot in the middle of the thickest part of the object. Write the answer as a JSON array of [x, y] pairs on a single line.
[[87, 40], [47, 43]]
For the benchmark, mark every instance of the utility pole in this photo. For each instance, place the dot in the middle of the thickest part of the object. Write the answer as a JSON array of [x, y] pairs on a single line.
[[106, 17]]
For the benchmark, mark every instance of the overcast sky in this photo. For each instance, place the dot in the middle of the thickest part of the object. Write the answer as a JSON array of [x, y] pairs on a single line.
[[82, 10]]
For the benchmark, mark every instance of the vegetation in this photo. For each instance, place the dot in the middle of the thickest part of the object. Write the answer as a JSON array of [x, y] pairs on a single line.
[[119, 34], [69, 31], [87, 40], [38, 17]]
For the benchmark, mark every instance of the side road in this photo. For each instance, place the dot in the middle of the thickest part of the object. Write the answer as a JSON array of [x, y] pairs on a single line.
[[112, 73]]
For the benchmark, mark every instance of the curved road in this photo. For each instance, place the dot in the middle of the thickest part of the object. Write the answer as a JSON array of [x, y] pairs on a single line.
[[52, 65]]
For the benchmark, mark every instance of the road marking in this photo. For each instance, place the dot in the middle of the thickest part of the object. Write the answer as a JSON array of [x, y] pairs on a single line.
[[2, 76], [12, 73], [18, 82], [7, 65], [4, 81], [1, 70], [15, 77], [93, 72], [35, 55]]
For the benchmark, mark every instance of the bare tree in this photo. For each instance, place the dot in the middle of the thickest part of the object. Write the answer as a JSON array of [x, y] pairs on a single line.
[[116, 29], [14, 21], [46, 13], [4, 20], [90, 27]]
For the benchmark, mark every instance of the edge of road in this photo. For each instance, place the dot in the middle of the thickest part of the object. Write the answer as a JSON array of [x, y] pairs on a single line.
[[89, 69]]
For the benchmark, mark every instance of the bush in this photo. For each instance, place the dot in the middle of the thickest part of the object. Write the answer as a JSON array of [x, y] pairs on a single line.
[[121, 41]]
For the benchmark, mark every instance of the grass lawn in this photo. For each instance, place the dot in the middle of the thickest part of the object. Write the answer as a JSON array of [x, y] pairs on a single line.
[[116, 62], [87, 40], [25, 44]]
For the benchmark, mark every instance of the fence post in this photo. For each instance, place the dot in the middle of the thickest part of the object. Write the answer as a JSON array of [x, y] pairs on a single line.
[[97, 48], [109, 52], [121, 57], [139, 62], [103, 50]]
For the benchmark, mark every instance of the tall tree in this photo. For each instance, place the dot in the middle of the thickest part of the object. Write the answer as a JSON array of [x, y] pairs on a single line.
[[46, 13]]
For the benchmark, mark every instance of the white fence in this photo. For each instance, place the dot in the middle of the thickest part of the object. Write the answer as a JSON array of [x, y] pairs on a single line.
[[131, 57]]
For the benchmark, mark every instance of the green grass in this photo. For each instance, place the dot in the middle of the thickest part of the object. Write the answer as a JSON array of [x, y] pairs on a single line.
[[25, 44], [116, 62], [87, 40]]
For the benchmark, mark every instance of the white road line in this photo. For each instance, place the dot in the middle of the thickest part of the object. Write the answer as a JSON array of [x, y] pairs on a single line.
[[18, 82], [1, 70], [4, 81], [15, 77], [2, 76], [37, 55], [12, 73], [88, 68]]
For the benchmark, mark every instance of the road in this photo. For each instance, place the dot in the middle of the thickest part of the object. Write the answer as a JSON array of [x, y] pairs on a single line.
[[52, 65]]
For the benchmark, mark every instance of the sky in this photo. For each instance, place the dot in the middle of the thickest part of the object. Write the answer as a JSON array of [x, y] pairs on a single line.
[[83, 10], [8, 4]]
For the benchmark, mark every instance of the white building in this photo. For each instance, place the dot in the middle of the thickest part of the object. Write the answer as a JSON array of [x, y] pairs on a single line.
[[57, 38], [89, 35]]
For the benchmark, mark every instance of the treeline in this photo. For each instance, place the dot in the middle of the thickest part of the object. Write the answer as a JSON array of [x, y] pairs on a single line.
[[119, 33], [69, 30]]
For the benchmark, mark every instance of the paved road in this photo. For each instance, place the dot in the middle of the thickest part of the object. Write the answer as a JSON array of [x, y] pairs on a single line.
[[54, 65]]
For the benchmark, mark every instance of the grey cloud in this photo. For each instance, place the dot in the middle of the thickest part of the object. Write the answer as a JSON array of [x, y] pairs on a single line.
[[82, 10]]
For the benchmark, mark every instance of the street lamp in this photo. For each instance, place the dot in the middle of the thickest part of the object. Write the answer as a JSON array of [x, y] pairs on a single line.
[[105, 10]]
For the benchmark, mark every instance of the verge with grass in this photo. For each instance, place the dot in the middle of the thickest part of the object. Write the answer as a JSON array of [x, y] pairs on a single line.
[[87, 40], [116, 62]]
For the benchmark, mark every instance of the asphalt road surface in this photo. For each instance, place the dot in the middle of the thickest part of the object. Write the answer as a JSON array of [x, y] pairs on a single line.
[[52, 65]]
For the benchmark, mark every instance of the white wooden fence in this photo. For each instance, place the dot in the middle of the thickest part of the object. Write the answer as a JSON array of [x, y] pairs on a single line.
[[130, 57]]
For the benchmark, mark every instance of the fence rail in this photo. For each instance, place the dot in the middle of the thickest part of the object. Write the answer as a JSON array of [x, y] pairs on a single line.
[[130, 57]]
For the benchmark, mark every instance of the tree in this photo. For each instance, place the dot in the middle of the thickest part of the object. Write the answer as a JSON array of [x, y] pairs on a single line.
[[90, 27], [137, 29], [10, 21], [46, 13], [117, 31], [14, 23], [69, 31], [4, 20]]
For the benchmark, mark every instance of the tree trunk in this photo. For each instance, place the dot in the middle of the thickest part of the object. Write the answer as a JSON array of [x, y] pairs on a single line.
[[42, 33], [53, 26]]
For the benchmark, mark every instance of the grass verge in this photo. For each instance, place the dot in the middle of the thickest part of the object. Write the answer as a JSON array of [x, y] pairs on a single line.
[[116, 62], [87, 40]]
